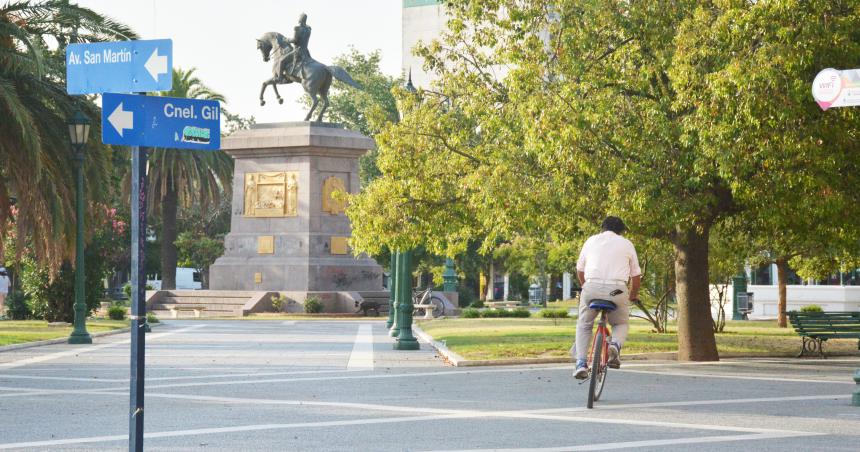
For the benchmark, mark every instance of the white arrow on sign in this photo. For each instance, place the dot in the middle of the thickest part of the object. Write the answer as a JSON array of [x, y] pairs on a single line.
[[156, 65], [121, 119]]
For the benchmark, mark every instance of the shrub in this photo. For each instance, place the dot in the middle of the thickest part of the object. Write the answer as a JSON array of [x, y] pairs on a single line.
[[496, 313], [470, 313], [492, 313], [477, 304], [520, 312], [116, 312], [151, 318], [126, 289], [278, 302], [313, 305], [553, 313], [17, 307], [811, 308]]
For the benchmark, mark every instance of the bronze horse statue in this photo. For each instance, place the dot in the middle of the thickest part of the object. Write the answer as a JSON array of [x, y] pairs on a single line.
[[314, 76]]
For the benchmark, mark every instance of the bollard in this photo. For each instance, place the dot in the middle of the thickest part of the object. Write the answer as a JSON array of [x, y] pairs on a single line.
[[856, 399]]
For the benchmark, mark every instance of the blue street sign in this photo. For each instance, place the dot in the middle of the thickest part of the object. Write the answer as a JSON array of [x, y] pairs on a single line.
[[165, 122], [119, 67]]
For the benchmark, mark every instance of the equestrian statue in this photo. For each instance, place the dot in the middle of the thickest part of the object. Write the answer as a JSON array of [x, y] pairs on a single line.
[[293, 63]]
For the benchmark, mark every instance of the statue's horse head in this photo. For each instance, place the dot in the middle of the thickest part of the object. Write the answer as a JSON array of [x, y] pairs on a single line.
[[265, 48], [269, 41]]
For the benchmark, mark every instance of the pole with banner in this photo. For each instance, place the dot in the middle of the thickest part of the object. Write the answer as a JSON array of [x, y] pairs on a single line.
[[839, 88]]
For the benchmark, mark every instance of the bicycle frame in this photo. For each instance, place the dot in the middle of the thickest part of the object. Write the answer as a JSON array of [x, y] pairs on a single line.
[[601, 328], [597, 374]]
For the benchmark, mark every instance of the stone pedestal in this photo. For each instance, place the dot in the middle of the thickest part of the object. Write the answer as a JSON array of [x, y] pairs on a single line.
[[288, 231]]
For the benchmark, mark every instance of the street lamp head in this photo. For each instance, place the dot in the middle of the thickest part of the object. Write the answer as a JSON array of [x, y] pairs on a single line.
[[79, 129]]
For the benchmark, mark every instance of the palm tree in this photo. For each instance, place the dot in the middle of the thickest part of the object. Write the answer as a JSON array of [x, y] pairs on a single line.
[[35, 157], [182, 177]]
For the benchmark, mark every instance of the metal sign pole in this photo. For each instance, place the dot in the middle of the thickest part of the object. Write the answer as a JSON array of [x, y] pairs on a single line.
[[138, 296]]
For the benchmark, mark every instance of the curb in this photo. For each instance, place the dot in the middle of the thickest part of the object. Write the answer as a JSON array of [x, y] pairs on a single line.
[[458, 361], [446, 353], [64, 340]]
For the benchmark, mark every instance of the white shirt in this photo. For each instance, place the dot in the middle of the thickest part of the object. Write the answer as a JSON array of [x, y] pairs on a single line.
[[4, 285], [608, 256]]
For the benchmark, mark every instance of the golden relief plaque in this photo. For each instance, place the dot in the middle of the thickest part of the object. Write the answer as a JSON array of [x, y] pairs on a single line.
[[266, 244], [338, 245], [271, 194], [330, 203]]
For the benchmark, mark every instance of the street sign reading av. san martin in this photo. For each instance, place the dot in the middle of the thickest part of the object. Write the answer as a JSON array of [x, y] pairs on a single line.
[[119, 67], [166, 122]]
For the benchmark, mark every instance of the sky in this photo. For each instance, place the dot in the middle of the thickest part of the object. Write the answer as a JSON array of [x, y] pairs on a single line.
[[218, 37]]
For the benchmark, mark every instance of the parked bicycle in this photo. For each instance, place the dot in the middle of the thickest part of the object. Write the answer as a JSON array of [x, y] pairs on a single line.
[[423, 300]]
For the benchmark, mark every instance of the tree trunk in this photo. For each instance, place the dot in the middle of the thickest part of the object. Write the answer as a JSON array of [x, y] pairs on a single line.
[[696, 340], [204, 279], [781, 277], [168, 237]]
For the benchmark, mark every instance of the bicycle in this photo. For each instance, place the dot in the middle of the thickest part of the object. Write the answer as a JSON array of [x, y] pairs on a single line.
[[599, 350], [422, 298]]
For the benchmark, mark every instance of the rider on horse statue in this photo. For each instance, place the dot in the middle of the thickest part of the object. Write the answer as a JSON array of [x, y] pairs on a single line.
[[292, 63]]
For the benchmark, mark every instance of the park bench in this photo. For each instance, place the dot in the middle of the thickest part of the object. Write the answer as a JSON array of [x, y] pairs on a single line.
[[174, 310], [817, 327], [503, 304]]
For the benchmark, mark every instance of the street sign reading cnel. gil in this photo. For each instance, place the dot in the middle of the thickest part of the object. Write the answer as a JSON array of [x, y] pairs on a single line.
[[119, 67], [166, 122]]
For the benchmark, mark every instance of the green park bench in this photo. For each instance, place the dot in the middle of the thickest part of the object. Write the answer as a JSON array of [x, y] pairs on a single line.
[[817, 327]]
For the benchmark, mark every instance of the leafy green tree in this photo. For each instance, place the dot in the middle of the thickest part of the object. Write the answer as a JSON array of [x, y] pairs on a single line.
[[35, 155], [179, 178], [676, 116]]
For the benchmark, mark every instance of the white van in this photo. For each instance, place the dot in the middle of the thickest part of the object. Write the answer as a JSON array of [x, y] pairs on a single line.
[[186, 279]]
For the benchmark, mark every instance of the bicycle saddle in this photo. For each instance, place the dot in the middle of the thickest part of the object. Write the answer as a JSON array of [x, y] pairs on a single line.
[[606, 305]]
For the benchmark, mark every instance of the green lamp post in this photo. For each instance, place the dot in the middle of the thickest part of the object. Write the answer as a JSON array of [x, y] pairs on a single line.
[[392, 292], [405, 339], [739, 285], [449, 276], [79, 131]]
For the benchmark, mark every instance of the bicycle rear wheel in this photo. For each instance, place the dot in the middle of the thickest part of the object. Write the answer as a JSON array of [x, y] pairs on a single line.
[[601, 379], [438, 306], [597, 358]]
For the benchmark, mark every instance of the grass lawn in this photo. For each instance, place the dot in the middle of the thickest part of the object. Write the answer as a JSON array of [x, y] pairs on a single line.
[[20, 331], [541, 338]]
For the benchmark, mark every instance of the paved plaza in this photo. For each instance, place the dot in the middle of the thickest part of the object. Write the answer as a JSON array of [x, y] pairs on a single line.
[[338, 385]]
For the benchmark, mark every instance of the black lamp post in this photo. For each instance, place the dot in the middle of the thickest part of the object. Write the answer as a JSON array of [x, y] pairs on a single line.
[[79, 131]]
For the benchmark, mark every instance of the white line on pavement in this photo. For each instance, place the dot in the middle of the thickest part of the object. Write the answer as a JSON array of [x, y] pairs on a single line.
[[442, 414], [602, 406], [210, 431], [413, 409], [86, 349], [736, 377], [645, 443], [361, 357], [288, 322]]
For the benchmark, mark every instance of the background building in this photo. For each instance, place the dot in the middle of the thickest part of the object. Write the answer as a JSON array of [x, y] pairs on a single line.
[[423, 21]]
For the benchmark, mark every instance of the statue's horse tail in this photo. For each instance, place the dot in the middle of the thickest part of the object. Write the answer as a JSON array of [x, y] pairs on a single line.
[[340, 74]]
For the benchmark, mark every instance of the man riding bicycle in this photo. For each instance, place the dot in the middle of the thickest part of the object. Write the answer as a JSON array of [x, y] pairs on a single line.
[[606, 264]]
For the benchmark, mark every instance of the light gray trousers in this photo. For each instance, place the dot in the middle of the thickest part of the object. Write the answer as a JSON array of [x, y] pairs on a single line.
[[617, 319]]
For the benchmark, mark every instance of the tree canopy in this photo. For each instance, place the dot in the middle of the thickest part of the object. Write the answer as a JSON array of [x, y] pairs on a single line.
[[676, 116]]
